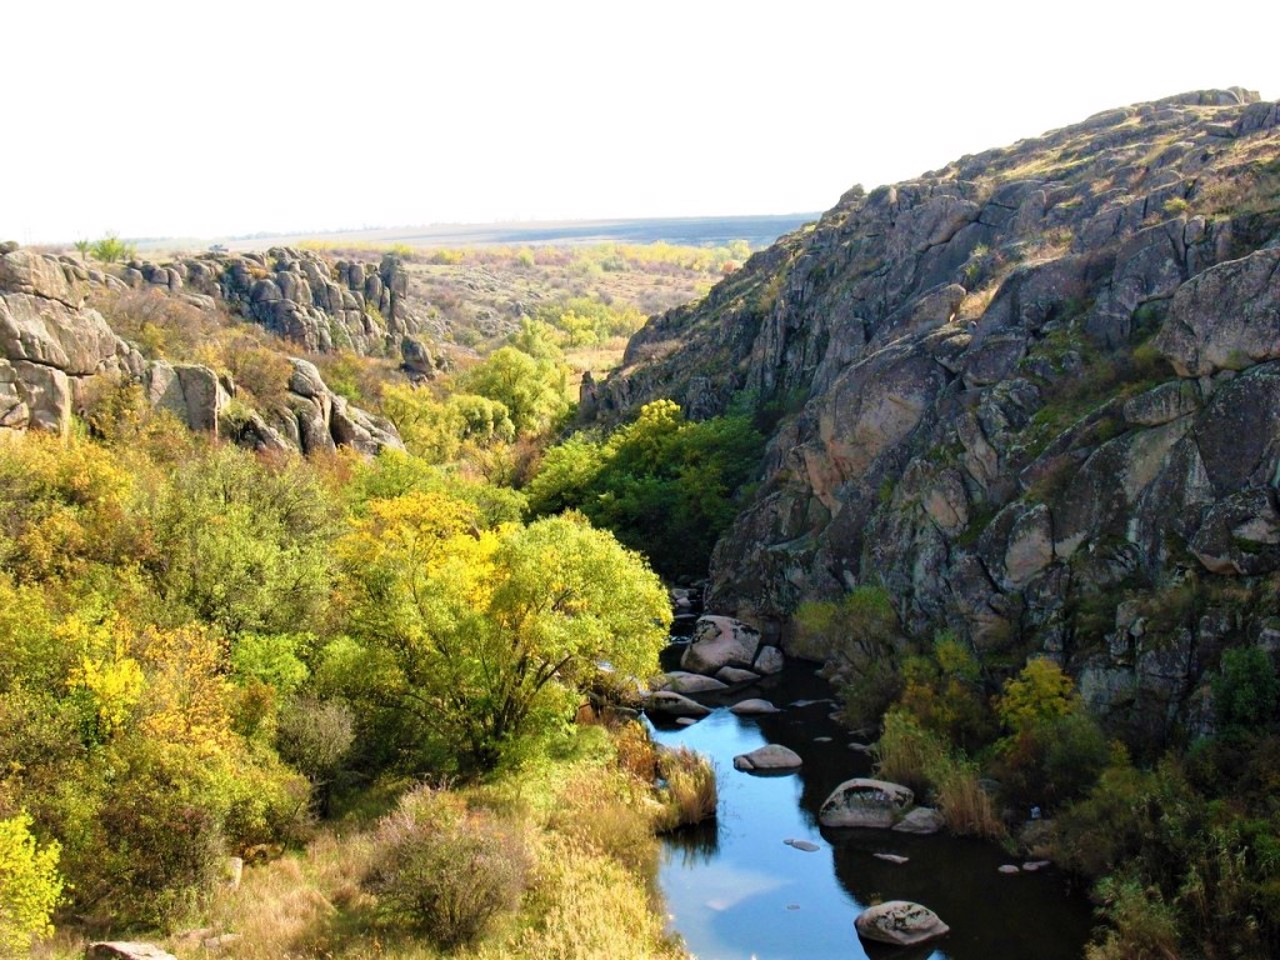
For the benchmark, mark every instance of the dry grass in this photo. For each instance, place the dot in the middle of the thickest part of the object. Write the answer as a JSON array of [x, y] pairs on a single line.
[[691, 795], [975, 302], [965, 806]]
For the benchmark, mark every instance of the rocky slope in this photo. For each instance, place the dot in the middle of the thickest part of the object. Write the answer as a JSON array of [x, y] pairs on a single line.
[[1036, 394], [55, 349]]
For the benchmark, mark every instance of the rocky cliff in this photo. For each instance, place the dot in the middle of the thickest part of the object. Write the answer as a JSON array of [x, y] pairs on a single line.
[[1035, 394], [55, 348]]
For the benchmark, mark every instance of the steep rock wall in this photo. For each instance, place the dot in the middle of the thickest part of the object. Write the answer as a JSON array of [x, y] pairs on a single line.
[[1034, 394]]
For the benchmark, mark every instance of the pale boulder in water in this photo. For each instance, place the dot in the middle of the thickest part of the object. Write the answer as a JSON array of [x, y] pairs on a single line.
[[900, 922]]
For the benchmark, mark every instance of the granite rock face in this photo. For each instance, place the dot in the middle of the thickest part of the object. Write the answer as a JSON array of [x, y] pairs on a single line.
[[1020, 392], [55, 347]]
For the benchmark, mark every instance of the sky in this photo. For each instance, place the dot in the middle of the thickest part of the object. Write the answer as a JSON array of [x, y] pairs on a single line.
[[177, 119]]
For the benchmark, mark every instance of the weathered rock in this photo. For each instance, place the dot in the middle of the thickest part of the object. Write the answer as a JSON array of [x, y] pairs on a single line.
[[674, 705], [1240, 534], [125, 950], [769, 661], [682, 682], [192, 393], [899, 922], [863, 802], [770, 757], [736, 675], [721, 642], [752, 707], [1008, 868], [923, 820], [1227, 318]]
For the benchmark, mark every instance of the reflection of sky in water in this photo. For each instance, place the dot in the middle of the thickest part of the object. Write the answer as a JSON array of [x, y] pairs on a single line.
[[736, 891]]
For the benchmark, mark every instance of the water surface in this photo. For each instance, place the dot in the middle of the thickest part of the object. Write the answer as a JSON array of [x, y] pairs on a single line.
[[736, 891]]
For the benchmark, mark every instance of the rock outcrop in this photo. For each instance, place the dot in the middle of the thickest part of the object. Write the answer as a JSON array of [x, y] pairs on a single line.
[[54, 347], [1035, 395]]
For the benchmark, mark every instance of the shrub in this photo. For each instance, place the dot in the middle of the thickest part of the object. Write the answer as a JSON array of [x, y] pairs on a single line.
[[445, 872], [911, 755], [1143, 925], [30, 886]]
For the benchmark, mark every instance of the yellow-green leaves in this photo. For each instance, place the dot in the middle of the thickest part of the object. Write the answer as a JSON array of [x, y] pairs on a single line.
[[30, 886]]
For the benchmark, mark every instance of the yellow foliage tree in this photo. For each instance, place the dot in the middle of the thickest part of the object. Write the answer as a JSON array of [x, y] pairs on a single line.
[[30, 886]]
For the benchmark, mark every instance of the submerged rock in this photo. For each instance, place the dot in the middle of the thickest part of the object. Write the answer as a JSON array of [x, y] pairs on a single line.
[[899, 922], [891, 858], [921, 820], [805, 845]]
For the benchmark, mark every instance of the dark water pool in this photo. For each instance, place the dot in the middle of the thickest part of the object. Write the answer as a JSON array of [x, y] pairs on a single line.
[[736, 891]]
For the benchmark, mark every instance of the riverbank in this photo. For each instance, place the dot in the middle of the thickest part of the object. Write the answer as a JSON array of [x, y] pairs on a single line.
[[739, 890]]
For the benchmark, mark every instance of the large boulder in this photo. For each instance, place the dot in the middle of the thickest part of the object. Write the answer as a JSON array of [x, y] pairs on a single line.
[[721, 642], [770, 757], [924, 820], [899, 922], [1227, 318], [670, 704], [683, 682], [863, 802]]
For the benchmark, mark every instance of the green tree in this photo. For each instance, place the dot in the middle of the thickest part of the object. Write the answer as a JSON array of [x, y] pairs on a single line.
[[1245, 691], [532, 390], [485, 637]]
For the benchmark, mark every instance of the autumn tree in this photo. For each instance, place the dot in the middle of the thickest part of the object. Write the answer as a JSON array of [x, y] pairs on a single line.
[[483, 638]]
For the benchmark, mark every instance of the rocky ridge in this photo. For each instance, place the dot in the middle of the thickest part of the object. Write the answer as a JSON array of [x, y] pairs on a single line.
[[1035, 394], [55, 349]]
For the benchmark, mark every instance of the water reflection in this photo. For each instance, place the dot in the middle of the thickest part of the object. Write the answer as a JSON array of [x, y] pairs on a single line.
[[736, 890]]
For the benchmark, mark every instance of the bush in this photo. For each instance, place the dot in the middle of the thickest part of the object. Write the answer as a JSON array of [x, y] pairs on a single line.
[[1144, 926], [913, 756], [444, 872], [30, 887]]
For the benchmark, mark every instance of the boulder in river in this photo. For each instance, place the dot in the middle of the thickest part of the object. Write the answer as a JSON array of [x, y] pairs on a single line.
[[734, 675], [921, 820], [769, 661], [671, 704], [863, 802], [772, 756], [899, 922], [721, 642], [683, 682], [753, 706]]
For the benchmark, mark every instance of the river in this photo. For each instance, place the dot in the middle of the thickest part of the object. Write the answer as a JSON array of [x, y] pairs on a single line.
[[736, 891]]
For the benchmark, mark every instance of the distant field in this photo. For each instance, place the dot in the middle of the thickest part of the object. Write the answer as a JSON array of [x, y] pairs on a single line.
[[759, 231]]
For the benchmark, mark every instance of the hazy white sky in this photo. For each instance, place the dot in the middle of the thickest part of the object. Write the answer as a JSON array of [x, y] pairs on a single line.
[[201, 119]]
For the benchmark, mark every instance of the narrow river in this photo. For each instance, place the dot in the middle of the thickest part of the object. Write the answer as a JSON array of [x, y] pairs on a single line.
[[736, 891]]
